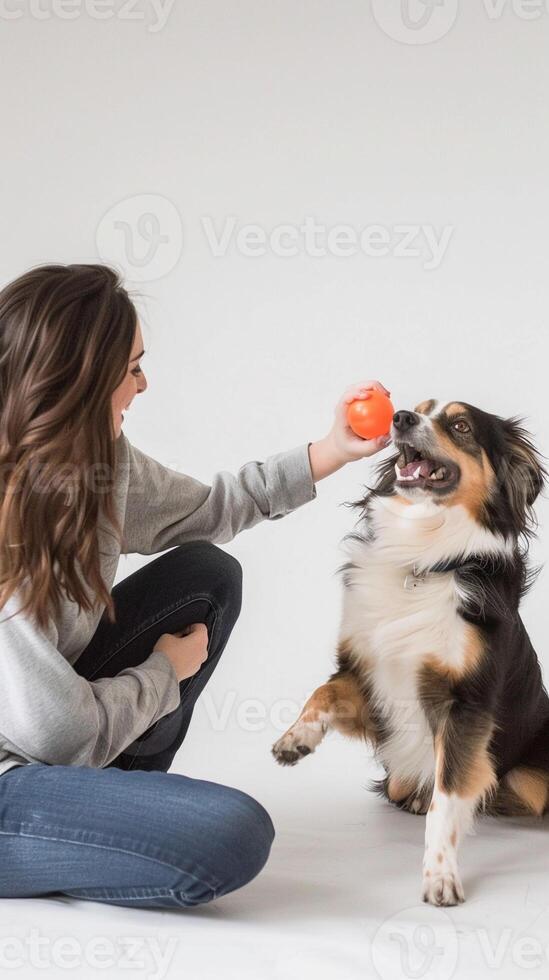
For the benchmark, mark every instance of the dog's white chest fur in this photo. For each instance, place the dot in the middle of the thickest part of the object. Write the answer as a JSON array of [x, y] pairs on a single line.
[[393, 630]]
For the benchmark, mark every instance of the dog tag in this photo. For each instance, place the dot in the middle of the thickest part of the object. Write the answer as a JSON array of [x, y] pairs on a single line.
[[412, 581]]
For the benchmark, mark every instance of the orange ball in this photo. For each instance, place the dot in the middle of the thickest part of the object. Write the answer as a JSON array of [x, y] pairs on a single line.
[[371, 417]]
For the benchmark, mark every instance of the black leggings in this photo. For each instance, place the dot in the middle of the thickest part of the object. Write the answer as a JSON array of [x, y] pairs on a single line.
[[193, 583]]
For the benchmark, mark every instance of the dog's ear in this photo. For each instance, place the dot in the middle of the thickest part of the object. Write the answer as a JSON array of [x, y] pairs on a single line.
[[523, 475]]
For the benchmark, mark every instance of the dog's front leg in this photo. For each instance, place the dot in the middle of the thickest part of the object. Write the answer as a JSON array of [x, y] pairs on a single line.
[[464, 774], [340, 704]]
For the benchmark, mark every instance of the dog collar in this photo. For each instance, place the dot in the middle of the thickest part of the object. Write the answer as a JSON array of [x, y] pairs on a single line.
[[417, 577], [414, 578]]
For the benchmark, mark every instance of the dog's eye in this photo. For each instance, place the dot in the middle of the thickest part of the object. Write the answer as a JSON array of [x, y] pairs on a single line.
[[461, 426]]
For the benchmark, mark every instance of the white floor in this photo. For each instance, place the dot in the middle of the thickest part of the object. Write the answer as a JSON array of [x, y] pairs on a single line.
[[339, 898]]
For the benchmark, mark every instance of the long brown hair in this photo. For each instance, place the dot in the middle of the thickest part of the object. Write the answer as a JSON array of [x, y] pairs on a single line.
[[66, 334]]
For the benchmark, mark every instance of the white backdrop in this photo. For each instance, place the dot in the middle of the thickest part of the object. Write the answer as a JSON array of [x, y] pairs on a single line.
[[306, 194]]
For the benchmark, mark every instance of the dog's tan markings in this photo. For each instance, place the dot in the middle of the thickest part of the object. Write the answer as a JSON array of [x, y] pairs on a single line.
[[440, 858], [452, 408], [403, 500], [343, 702], [398, 789], [439, 756], [477, 476], [426, 407], [340, 704], [463, 763], [436, 677], [530, 786], [479, 778], [474, 649], [438, 674], [453, 838]]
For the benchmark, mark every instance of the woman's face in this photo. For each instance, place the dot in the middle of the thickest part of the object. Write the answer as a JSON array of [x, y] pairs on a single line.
[[133, 383]]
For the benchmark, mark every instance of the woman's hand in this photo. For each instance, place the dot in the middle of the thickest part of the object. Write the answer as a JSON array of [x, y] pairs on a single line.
[[187, 650], [342, 445]]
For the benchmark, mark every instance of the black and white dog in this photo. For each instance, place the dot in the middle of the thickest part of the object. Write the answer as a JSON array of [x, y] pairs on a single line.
[[435, 669]]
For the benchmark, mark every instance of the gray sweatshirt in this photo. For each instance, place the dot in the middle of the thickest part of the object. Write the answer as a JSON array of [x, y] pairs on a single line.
[[48, 712]]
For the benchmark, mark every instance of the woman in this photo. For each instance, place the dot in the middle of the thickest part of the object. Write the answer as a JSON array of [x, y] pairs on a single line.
[[97, 688]]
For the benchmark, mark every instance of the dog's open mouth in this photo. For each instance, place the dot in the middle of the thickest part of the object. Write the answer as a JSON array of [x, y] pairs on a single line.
[[413, 469]]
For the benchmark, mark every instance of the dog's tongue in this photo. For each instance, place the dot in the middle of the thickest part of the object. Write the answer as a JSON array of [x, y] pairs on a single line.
[[425, 467]]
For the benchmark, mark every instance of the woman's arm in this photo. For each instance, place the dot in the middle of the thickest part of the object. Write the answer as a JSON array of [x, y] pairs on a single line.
[[165, 508]]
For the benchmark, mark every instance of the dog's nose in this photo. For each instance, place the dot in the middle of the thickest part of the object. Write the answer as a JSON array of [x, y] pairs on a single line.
[[403, 421]]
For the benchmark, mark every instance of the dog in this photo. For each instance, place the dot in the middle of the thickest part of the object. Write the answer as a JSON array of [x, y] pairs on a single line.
[[435, 669]]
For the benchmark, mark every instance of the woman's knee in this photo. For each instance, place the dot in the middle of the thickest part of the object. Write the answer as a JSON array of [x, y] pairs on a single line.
[[247, 839], [216, 571], [237, 832]]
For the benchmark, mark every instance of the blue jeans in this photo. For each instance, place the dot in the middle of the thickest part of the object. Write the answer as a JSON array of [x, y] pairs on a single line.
[[131, 833]]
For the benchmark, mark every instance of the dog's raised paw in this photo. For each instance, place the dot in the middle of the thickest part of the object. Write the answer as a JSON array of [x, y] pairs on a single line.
[[289, 757], [300, 740], [287, 753]]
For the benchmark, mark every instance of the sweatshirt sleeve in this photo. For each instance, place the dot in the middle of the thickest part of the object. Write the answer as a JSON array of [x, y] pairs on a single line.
[[50, 714], [166, 508]]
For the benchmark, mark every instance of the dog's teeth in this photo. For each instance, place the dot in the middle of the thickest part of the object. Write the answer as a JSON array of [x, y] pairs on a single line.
[[417, 472], [438, 474]]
